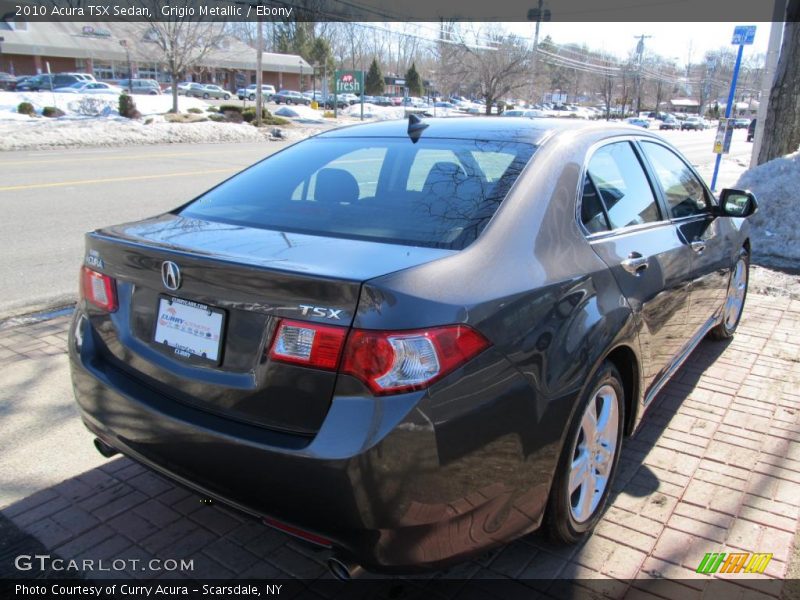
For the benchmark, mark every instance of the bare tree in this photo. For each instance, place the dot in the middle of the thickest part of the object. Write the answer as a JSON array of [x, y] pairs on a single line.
[[782, 125], [181, 43], [499, 68]]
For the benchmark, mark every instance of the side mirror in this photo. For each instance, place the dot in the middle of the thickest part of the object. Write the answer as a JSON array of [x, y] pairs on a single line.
[[737, 203]]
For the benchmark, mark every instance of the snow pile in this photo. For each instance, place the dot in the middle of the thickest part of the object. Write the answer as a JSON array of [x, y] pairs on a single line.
[[373, 111], [776, 240], [304, 114], [118, 131], [71, 103]]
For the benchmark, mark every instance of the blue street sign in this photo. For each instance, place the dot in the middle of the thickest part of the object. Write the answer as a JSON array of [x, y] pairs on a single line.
[[743, 34]]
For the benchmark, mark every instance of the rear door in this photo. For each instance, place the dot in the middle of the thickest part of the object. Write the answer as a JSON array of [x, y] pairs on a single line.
[[642, 248], [689, 205]]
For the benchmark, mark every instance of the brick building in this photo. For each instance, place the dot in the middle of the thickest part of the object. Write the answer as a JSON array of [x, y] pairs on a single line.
[[110, 50]]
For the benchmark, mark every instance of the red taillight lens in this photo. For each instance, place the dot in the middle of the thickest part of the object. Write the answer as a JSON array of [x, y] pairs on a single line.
[[99, 289], [308, 344], [399, 361], [388, 362]]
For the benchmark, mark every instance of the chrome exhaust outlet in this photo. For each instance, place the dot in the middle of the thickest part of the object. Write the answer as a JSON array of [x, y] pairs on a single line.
[[344, 570], [104, 448]]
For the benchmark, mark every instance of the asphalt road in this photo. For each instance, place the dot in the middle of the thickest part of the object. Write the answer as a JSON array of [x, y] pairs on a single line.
[[51, 198]]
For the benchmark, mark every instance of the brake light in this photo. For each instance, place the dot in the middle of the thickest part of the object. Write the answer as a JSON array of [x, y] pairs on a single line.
[[99, 289], [389, 362], [308, 344]]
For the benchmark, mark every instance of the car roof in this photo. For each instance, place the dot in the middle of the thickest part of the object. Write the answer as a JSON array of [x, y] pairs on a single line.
[[516, 129]]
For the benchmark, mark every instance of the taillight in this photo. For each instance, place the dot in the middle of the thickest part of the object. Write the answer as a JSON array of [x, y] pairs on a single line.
[[309, 344], [99, 289], [389, 362]]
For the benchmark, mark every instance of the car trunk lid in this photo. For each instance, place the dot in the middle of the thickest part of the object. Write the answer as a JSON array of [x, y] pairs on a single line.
[[235, 282]]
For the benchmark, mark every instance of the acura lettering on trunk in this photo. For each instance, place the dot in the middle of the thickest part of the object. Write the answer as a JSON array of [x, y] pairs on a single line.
[[410, 342]]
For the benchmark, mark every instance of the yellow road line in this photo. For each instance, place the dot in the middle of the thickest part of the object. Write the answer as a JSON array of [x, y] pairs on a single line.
[[33, 186], [92, 158]]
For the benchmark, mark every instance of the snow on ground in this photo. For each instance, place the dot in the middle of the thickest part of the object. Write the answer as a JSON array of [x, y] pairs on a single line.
[[118, 131], [776, 237], [303, 114], [71, 103]]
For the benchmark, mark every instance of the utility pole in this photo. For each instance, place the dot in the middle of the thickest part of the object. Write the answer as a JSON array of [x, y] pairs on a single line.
[[259, 74], [639, 61], [537, 14]]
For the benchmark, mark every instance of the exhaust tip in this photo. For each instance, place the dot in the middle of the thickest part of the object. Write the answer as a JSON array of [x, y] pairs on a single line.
[[344, 570], [104, 448]]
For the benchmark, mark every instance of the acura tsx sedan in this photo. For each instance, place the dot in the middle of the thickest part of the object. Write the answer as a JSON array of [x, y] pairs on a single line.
[[410, 341]]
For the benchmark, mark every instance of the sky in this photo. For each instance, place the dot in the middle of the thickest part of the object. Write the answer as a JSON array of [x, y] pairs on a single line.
[[670, 40]]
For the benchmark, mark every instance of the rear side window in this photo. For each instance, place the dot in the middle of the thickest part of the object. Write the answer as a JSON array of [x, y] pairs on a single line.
[[623, 187], [683, 191], [438, 192]]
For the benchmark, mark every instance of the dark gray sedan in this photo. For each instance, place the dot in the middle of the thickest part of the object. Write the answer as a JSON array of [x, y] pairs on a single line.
[[410, 341]]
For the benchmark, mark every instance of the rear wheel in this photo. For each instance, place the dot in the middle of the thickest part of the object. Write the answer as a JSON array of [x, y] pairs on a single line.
[[734, 298], [589, 459], [251, 97], [205, 96], [226, 97]]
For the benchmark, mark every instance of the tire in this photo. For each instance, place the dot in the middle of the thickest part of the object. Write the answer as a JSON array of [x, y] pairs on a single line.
[[205, 96], [226, 97], [735, 297], [572, 515], [251, 97]]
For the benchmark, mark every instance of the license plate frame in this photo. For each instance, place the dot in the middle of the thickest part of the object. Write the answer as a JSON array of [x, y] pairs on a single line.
[[216, 321]]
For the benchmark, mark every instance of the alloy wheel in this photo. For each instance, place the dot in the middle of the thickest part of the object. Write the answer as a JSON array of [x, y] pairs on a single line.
[[736, 292], [593, 453]]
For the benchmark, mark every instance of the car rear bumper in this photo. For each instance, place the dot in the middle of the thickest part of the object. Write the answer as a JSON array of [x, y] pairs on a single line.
[[391, 488]]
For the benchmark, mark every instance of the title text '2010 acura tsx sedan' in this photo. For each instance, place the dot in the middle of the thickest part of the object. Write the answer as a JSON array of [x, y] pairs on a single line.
[[410, 341]]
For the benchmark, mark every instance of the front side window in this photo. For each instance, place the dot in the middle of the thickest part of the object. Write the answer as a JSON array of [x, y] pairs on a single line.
[[622, 185], [437, 193], [683, 191]]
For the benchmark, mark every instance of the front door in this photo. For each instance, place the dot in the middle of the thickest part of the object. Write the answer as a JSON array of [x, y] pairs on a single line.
[[643, 250]]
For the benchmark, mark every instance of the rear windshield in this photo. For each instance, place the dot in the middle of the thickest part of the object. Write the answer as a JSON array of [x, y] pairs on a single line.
[[437, 192]]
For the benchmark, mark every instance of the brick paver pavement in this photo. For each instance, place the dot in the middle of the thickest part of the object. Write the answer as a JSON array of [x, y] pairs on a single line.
[[715, 467]]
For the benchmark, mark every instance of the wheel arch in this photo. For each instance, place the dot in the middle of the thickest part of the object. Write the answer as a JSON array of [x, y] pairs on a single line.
[[625, 360]]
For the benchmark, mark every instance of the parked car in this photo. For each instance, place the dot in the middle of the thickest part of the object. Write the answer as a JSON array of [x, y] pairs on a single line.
[[290, 97], [183, 87], [267, 91], [741, 123], [215, 91], [751, 130], [314, 95], [693, 123], [638, 122], [340, 102], [81, 76], [48, 82], [147, 87], [669, 123], [529, 113], [90, 87], [7, 81], [404, 385]]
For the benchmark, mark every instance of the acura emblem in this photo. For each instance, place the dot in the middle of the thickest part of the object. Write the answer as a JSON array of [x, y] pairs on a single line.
[[170, 275]]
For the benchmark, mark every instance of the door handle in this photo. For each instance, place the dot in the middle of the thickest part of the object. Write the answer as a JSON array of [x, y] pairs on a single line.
[[698, 246], [635, 263]]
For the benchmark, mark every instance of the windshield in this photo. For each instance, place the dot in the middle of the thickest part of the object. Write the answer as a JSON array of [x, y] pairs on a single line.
[[437, 192]]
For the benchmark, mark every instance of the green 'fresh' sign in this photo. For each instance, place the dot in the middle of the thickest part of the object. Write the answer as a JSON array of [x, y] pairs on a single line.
[[349, 82]]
